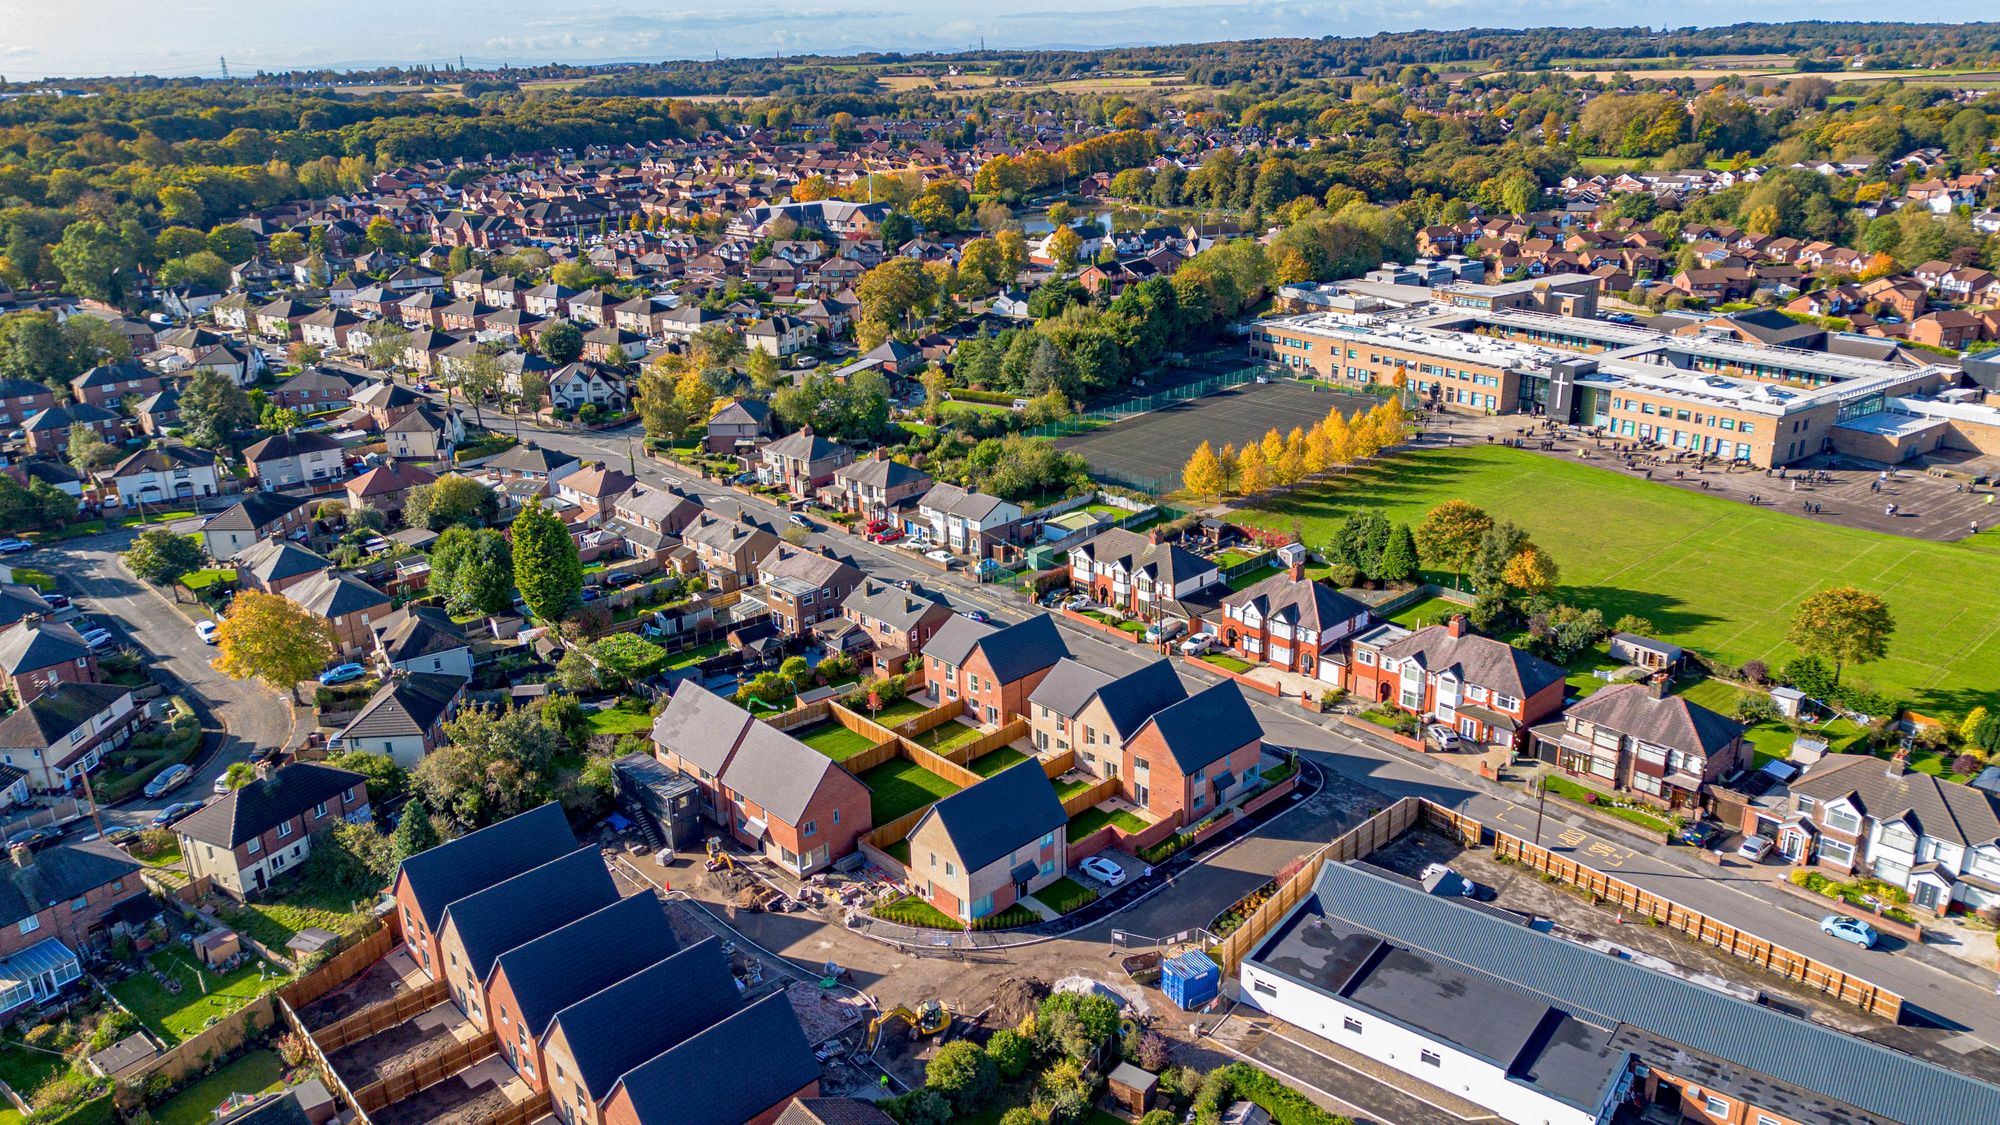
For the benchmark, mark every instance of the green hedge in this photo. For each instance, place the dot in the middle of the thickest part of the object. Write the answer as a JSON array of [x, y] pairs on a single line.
[[1243, 1081]]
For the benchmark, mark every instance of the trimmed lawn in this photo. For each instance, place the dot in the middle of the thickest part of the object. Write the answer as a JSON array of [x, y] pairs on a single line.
[[1430, 611], [900, 851], [901, 711], [1711, 574], [198, 580], [913, 911], [1092, 819], [1066, 895], [900, 786], [29, 576], [1774, 739], [1235, 555], [1564, 787], [255, 1073], [274, 923], [993, 761], [1067, 789], [620, 720], [695, 655], [1231, 663], [176, 1017], [836, 741], [1250, 578], [947, 736], [25, 1070]]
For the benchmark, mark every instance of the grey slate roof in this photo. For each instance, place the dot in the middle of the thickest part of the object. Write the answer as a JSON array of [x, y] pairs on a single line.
[[1206, 726], [1013, 651], [616, 1029], [702, 1080], [700, 726], [274, 560], [518, 910], [334, 594], [530, 458], [881, 473], [953, 500], [40, 644], [163, 458], [282, 445], [1670, 721], [62, 873], [894, 605], [1133, 698], [1477, 660], [257, 807], [1298, 601], [777, 772], [18, 600], [1068, 687], [478, 860], [1957, 813], [417, 631], [804, 446], [988, 821], [1167, 563], [586, 956], [256, 511], [51, 717], [406, 705], [1618, 995]]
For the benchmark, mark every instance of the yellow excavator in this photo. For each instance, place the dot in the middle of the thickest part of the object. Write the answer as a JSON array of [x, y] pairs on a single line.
[[930, 1018]]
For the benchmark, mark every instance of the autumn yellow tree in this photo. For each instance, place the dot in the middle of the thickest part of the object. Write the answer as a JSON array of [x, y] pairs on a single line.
[[1292, 463], [1253, 475], [1229, 465], [1319, 451], [1203, 474], [1273, 447], [271, 638], [1531, 571], [1339, 440], [1366, 444]]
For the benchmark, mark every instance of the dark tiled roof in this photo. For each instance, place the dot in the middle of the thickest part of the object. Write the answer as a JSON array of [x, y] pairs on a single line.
[[1024, 648], [40, 644], [18, 600], [900, 608], [256, 511], [1069, 686], [292, 444], [779, 773], [261, 805], [334, 594], [52, 716], [700, 726], [530, 458], [1133, 698], [475, 861], [1957, 813], [804, 446], [62, 873], [988, 821], [612, 1031], [590, 954], [163, 458], [1673, 722], [418, 631], [1206, 726], [407, 705], [523, 908], [1477, 660], [702, 1081], [1298, 602]]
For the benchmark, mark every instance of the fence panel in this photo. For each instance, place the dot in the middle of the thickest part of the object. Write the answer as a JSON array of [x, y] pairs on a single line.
[[330, 1075], [379, 1016], [340, 968], [428, 1072], [940, 765], [1102, 791]]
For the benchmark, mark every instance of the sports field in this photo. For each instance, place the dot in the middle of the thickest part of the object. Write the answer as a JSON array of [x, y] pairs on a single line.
[[1155, 446], [1711, 574]]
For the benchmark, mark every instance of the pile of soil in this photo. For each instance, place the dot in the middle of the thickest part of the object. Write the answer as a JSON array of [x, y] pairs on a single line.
[[1015, 999]]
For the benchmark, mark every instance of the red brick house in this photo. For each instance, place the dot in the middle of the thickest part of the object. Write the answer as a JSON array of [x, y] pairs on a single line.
[[253, 834], [1193, 756], [37, 654], [1486, 690], [991, 669], [1639, 740], [1291, 623], [429, 882], [478, 928], [771, 791], [54, 904], [897, 622]]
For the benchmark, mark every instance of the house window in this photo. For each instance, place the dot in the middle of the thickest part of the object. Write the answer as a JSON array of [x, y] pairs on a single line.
[[1263, 987], [1718, 1107], [31, 923], [1349, 1023], [284, 830], [319, 810], [79, 902], [1429, 1058], [836, 816], [809, 828], [254, 846]]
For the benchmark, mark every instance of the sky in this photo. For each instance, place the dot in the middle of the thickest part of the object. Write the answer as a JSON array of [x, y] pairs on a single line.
[[55, 38]]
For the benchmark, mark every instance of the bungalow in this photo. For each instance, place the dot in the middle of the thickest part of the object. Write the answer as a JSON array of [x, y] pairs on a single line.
[[164, 473], [1638, 739], [247, 838], [802, 462], [967, 522], [1486, 690], [875, 487], [992, 669], [260, 515], [771, 791], [271, 565], [62, 733], [430, 881], [405, 718], [346, 602], [295, 457], [1290, 622], [988, 846]]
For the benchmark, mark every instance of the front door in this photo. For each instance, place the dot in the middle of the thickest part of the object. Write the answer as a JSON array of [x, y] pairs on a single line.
[[1468, 727], [1927, 894]]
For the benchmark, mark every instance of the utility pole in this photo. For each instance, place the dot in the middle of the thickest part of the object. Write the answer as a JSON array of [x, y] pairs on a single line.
[[225, 67], [1541, 802]]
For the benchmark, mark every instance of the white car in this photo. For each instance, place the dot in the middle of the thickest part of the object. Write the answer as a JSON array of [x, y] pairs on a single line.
[[1078, 604], [1445, 738], [1103, 870], [1755, 848], [940, 555], [1198, 644], [96, 638], [206, 631]]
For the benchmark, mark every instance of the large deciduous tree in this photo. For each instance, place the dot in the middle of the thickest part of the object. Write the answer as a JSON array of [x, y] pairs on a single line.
[[1450, 534], [213, 408], [162, 557], [473, 570], [269, 638], [1842, 625]]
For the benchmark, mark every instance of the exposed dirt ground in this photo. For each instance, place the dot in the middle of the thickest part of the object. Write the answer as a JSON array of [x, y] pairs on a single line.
[[397, 1048], [376, 983], [453, 1101]]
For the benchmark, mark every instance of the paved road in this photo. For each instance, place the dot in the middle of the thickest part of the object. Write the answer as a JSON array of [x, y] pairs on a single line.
[[248, 714]]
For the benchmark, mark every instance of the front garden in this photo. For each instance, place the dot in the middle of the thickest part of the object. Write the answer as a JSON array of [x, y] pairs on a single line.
[[1066, 896], [1605, 803], [131, 766], [1863, 894]]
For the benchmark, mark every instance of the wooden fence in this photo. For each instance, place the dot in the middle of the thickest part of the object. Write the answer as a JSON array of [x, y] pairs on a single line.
[[1059, 763], [340, 968], [930, 720], [883, 836], [799, 717], [380, 1016], [1013, 730], [1102, 791], [1362, 840], [874, 756], [425, 1073], [1766, 954], [860, 724], [331, 1076]]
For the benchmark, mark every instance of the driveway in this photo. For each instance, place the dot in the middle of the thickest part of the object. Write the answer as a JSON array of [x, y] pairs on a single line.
[[246, 714]]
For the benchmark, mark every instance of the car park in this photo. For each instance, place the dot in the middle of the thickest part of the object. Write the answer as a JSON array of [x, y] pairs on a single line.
[[168, 780], [1198, 644], [1444, 738], [179, 810], [1103, 870], [1849, 929], [205, 630], [341, 673], [1755, 848], [11, 545]]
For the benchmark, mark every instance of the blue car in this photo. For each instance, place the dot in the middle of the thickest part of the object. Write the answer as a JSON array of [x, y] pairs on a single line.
[[1848, 929], [341, 673]]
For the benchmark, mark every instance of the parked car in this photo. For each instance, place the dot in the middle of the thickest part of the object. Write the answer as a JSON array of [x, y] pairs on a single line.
[[342, 673], [97, 638], [33, 839], [592, 593], [10, 545], [168, 780], [221, 786], [875, 525], [1198, 644], [1477, 892], [1700, 834], [179, 810], [1849, 929], [1755, 848], [56, 601], [886, 535], [975, 615], [1165, 631], [621, 578], [1103, 870], [1444, 738], [1078, 603], [939, 556], [206, 631], [797, 520], [743, 478]]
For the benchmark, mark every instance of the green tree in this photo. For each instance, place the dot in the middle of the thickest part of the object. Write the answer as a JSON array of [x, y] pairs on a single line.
[[94, 259], [386, 779], [1399, 558], [962, 1072], [1842, 625], [1499, 543], [232, 243], [473, 570], [660, 409], [1011, 1052], [1450, 535], [452, 500], [88, 451], [213, 408], [562, 343], [546, 568], [162, 557], [414, 834], [496, 764]]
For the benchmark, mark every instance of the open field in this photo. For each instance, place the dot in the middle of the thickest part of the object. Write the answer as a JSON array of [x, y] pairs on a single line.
[[1710, 574]]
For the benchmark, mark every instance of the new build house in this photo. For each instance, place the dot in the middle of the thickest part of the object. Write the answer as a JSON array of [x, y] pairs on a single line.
[[430, 881], [991, 669], [1094, 713], [988, 846]]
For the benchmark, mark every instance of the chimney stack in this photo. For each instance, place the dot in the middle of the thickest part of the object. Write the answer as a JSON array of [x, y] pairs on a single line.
[[23, 856], [1153, 536], [1899, 762], [1659, 684], [1298, 570], [1456, 626]]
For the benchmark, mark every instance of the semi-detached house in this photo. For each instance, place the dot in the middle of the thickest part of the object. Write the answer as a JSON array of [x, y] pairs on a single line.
[[1640, 740], [55, 904], [1859, 815], [897, 622], [802, 588], [988, 846], [1486, 690], [1094, 712], [990, 669], [264, 828], [966, 522], [1138, 573], [63, 732], [1292, 623], [1193, 757], [404, 720], [771, 791]]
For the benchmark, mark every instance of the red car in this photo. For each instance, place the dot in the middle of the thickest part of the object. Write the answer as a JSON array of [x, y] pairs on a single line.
[[875, 525], [888, 535]]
